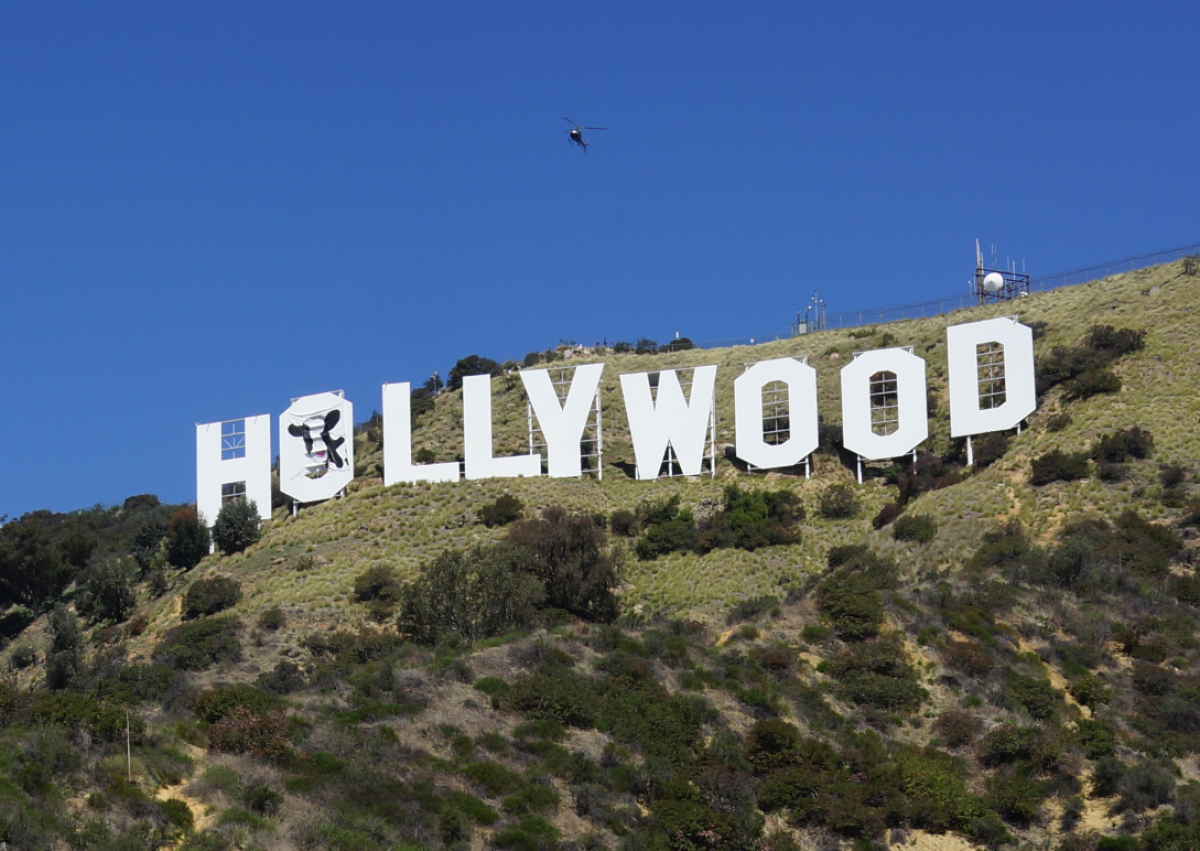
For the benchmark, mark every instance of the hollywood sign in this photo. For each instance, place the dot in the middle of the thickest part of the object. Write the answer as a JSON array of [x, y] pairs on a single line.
[[991, 389]]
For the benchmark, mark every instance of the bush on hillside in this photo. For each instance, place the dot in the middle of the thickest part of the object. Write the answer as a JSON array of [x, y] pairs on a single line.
[[1058, 466], [471, 365], [1103, 346], [750, 519], [188, 539], [568, 553], [876, 674], [921, 528], [209, 596], [200, 644], [219, 703], [64, 660], [237, 527], [989, 448], [1120, 446], [1094, 382], [503, 511], [475, 594], [887, 514], [851, 604], [111, 594], [246, 732], [839, 502]]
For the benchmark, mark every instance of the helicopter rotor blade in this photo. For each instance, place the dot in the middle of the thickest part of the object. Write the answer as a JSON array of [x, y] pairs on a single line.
[[593, 128], [569, 121]]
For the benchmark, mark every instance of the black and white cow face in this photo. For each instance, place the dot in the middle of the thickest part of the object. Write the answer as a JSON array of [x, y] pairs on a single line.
[[320, 446]]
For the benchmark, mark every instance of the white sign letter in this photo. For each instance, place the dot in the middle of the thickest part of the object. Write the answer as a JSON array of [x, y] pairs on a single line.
[[801, 381], [889, 384], [562, 423], [316, 447], [397, 442], [671, 420], [991, 375], [233, 461], [477, 436]]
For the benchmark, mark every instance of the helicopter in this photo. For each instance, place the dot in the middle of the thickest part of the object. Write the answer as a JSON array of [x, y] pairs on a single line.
[[575, 134]]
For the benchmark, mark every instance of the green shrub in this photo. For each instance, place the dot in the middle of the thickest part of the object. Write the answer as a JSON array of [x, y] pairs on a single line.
[[285, 678], [1007, 744], [530, 834], [64, 661], [272, 619], [957, 727], [886, 515], [839, 502], [876, 674], [492, 686], [187, 539], [1094, 382], [1090, 690], [750, 519], [568, 553], [111, 584], [1146, 785], [1037, 696], [534, 798], [1015, 797], [503, 511], [209, 596], [217, 704], [237, 527], [851, 604], [921, 528], [1059, 421], [23, 656], [989, 448], [622, 522], [472, 807], [668, 529], [476, 595], [263, 800], [1058, 466], [567, 698], [1095, 738], [143, 683], [246, 732], [493, 777], [1122, 445], [178, 814], [751, 608], [198, 645]]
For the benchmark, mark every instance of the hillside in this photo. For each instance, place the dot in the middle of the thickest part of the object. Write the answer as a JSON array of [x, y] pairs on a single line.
[[1005, 664]]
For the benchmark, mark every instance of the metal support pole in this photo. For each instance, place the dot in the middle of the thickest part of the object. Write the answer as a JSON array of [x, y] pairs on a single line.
[[970, 453], [599, 439]]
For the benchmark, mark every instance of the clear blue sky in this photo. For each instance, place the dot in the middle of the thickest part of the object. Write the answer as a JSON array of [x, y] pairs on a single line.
[[207, 209]]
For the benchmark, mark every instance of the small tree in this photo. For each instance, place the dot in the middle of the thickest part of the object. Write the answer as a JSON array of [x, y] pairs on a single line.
[[839, 502], [147, 543], [476, 594], [567, 553], [209, 596], [237, 526], [187, 539], [503, 511], [111, 584], [64, 662]]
